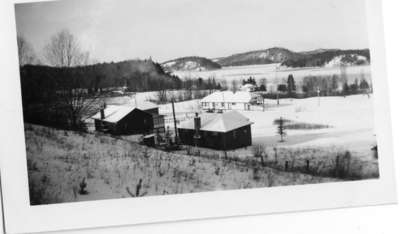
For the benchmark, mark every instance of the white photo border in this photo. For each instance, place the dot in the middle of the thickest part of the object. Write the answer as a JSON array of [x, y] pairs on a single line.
[[20, 217]]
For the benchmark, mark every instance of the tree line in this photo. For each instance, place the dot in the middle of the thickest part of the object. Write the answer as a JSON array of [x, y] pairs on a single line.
[[320, 59], [62, 87]]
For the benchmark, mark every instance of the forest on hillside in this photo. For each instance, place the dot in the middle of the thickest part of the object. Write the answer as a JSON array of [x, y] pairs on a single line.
[[62, 84], [321, 59]]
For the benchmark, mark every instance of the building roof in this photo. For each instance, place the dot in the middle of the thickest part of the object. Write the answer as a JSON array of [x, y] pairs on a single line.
[[218, 96], [218, 122], [228, 96], [247, 87], [114, 113], [143, 105]]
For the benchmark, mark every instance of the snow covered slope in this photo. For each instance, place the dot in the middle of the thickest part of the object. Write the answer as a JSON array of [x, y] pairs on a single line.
[[190, 64]]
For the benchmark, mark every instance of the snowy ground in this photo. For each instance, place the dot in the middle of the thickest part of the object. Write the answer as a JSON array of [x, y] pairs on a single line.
[[58, 162], [351, 128], [272, 72], [351, 122]]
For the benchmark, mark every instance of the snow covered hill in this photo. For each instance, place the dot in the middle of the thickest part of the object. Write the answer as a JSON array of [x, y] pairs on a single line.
[[348, 60], [287, 58], [268, 56], [190, 64]]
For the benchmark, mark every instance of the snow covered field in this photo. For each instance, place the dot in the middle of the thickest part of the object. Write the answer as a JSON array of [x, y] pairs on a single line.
[[273, 72], [350, 128], [59, 162], [351, 122]]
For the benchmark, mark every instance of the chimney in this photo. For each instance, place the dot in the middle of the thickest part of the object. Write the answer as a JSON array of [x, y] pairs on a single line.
[[102, 115], [197, 126]]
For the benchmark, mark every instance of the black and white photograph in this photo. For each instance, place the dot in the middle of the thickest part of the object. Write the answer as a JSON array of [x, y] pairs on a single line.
[[128, 99], [139, 112]]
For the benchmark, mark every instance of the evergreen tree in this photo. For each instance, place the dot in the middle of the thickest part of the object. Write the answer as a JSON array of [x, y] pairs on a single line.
[[281, 129], [346, 89], [282, 88], [364, 85], [262, 88], [291, 86], [334, 83]]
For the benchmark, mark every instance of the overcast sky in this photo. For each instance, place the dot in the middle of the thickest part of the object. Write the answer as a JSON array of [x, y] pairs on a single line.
[[115, 30]]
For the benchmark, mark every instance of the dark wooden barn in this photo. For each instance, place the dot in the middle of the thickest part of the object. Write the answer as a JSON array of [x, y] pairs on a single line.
[[127, 120], [226, 131]]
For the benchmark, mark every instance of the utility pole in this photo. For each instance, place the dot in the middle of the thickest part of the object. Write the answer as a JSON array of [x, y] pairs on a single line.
[[277, 97], [319, 99], [277, 87], [197, 126], [175, 128], [263, 104]]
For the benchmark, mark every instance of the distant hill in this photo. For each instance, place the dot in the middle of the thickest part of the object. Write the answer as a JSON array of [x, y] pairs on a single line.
[[272, 55], [191, 64], [314, 58], [329, 58], [288, 58], [317, 51]]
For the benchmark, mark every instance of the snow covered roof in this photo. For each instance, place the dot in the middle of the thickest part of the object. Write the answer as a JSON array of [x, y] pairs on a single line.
[[218, 122], [228, 96], [248, 86], [143, 105], [113, 113], [218, 96], [242, 96]]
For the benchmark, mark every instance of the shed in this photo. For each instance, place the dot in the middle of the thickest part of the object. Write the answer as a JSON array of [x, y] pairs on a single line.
[[124, 120], [248, 88]]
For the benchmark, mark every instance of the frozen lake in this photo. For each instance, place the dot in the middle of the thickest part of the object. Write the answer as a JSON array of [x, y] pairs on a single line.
[[273, 72]]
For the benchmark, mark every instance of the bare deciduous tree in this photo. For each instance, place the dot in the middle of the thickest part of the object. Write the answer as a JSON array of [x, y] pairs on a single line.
[[162, 95], [73, 98], [234, 85], [63, 50], [26, 54], [259, 152], [224, 84]]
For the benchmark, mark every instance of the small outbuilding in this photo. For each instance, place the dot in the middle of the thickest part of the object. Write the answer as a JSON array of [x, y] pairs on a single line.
[[226, 131], [248, 88], [126, 120]]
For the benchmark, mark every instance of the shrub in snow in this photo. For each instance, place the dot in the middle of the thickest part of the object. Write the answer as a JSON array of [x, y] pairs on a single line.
[[82, 187]]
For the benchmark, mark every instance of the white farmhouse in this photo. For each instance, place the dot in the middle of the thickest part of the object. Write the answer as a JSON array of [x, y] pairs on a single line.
[[227, 100]]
